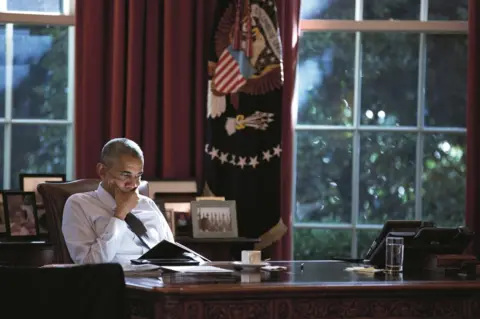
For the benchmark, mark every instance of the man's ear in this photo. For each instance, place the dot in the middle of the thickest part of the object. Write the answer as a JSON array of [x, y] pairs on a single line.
[[101, 171]]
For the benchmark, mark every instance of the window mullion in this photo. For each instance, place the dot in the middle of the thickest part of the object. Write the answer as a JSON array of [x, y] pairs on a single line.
[[68, 7], [422, 75], [70, 147], [7, 143], [356, 141]]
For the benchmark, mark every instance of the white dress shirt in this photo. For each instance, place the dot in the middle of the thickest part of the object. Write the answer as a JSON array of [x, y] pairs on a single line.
[[93, 235]]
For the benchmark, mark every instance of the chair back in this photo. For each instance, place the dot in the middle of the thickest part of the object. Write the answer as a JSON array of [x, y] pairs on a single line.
[[78, 291], [55, 196]]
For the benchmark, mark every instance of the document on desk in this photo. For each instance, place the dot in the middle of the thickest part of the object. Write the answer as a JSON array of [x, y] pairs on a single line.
[[197, 269]]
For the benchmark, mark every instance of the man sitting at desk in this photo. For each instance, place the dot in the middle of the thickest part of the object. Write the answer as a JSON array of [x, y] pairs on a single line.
[[94, 223]]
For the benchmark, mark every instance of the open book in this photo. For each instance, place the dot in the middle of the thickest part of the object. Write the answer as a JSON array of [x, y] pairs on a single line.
[[170, 254]]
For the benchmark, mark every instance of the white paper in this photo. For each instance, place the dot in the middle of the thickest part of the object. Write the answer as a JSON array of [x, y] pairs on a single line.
[[139, 268], [368, 270], [197, 269]]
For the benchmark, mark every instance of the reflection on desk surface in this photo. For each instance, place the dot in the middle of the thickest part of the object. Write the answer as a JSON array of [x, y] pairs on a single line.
[[327, 274]]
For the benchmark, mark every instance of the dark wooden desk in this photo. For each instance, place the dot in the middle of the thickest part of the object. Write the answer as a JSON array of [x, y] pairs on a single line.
[[37, 253], [321, 290]]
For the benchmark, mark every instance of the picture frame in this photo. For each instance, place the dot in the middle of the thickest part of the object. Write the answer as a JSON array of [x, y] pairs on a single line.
[[176, 208], [171, 187], [3, 224], [29, 181], [170, 218], [21, 218], [209, 198], [214, 219]]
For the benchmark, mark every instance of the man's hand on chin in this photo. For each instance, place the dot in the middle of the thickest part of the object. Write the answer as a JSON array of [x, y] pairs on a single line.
[[126, 201]]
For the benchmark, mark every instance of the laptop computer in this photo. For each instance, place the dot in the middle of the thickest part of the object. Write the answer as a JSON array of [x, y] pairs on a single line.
[[171, 254]]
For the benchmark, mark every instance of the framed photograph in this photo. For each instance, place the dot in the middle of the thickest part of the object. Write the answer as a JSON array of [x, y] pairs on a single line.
[[210, 198], [177, 209], [214, 219], [172, 187], [170, 218], [3, 227], [42, 220], [28, 182], [20, 214]]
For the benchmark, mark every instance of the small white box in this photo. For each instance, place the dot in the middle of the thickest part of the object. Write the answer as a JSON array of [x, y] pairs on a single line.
[[251, 277], [251, 256]]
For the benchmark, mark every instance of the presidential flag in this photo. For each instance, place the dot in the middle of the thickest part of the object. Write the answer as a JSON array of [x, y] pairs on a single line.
[[243, 145]]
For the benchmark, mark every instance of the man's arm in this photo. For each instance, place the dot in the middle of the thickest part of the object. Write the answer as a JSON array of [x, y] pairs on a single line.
[[84, 245]]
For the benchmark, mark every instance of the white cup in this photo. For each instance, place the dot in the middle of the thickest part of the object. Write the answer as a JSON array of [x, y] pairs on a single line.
[[251, 277], [251, 256]]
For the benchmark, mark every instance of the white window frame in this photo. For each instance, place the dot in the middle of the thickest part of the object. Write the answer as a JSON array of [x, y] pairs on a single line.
[[9, 18], [358, 25]]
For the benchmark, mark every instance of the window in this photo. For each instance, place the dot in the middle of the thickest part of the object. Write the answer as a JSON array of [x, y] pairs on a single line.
[[380, 131], [36, 88]]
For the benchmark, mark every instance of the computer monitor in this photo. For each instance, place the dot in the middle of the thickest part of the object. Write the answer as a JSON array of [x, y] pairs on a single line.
[[441, 240], [376, 253], [419, 243]]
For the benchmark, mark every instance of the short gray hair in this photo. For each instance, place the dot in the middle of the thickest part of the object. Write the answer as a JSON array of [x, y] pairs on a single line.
[[117, 147]]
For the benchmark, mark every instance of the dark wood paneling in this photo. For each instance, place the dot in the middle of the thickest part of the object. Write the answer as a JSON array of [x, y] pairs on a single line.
[[25, 253]]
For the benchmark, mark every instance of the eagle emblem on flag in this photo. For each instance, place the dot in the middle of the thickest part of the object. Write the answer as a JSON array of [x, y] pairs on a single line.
[[249, 51]]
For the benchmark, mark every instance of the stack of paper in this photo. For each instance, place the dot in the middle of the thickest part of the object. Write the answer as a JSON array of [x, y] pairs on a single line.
[[197, 269]]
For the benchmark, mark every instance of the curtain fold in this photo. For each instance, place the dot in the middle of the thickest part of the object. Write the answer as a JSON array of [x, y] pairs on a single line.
[[473, 129], [289, 15], [140, 74]]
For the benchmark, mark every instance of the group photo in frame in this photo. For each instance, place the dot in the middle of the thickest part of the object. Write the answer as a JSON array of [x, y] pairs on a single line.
[[176, 207], [20, 212], [28, 183], [214, 219]]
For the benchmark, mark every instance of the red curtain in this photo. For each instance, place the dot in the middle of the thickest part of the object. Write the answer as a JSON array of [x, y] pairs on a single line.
[[473, 128], [141, 74], [288, 16]]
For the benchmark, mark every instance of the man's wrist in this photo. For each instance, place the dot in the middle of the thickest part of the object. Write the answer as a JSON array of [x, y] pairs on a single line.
[[120, 214]]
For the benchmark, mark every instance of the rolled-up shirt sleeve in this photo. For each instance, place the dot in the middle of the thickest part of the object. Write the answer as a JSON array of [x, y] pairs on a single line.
[[84, 244]]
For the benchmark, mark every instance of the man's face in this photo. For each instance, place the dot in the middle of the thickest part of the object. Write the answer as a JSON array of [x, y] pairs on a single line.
[[124, 172]]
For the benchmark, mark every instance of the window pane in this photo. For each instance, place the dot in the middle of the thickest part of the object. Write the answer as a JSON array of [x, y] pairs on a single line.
[[40, 72], [35, 5], [324, 176], [446, 83], [444, 179], [325, 78], [2, 151], [390, 77], [328, 9], [2, 70], [315, 244], [38, 148], [386, 10], [365, 240], [387, 177], [448, 10]]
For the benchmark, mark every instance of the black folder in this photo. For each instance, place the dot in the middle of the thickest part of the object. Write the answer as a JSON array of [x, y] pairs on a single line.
[[172, 254]]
